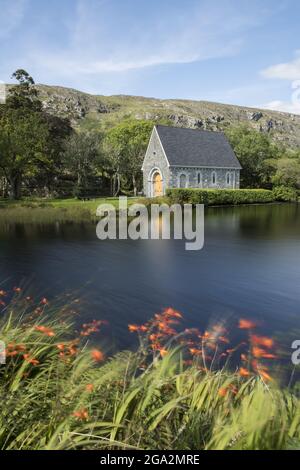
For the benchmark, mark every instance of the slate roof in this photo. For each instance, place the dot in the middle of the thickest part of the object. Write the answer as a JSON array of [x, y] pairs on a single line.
[[196, 148]]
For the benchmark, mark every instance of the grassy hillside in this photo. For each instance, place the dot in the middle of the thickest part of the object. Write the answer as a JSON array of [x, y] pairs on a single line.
[[95, 112]]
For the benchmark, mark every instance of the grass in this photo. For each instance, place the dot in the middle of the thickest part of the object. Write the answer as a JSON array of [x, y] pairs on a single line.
[[29, 210], [59, 392]]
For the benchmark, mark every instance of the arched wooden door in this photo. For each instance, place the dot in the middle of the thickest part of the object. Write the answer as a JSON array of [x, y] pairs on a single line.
[[157, 185]]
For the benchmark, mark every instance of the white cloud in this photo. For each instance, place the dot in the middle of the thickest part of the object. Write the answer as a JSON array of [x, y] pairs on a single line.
[[12, 12], [102, 42], [285, 71], [283, 106]]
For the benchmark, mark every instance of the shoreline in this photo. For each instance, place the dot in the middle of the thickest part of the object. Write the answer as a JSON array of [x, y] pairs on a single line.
[[72, 210]]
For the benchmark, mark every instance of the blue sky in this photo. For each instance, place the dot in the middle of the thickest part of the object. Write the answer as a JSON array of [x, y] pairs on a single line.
[[230, 51]]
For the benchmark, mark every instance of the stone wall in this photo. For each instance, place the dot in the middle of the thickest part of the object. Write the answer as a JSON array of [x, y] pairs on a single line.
[[155, 159], [205, 179]]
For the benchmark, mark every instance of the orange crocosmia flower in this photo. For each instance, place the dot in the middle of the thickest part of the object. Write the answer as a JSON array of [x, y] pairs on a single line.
[[265, 375], [2, 303], [61, 346], [223, 392], [45, 330], [163, 352], [30, 360], [44, 301], [244, 357], [153, 337], [259, 352], [133, 328], [72, 350], [81, 414], [195, 351], [143, 328], [170, 312], [92, 327], [246, 324], [17, 289], [89, 387], [3, 293], [170, 332], [244, 372], [97, 355], [262, 341], [11, 353]]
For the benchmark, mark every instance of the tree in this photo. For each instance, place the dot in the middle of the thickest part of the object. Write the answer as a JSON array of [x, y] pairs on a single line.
[[49, 172], [256, 153], [126, 146], [23, 139], [30, 139], [287, 173], [24, 95], [83, 156]]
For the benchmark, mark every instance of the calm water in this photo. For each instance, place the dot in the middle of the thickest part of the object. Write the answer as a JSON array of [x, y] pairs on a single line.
[[250, 267]]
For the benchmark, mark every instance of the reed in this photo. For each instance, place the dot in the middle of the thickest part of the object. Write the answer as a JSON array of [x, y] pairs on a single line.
[[60, 392]]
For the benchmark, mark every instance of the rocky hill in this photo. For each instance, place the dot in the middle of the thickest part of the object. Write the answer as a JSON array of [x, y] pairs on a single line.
[[91, 112]]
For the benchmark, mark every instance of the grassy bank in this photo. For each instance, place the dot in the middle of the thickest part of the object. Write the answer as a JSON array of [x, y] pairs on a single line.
[[68, 210], [52, 210], [58, 392]]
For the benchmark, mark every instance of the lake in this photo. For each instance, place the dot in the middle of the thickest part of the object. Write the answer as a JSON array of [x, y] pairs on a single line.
[[249, 267]]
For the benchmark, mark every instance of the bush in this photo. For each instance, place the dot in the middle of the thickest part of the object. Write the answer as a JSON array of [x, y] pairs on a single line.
[[284, 194], [211, 197]]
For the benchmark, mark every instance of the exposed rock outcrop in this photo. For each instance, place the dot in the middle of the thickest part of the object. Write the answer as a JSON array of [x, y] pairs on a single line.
[[93, 112]]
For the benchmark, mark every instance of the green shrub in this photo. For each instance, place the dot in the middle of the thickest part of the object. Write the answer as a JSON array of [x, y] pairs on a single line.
[[211, 197], [284, 194]]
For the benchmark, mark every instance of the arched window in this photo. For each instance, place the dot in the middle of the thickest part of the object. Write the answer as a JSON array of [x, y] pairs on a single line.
[[233, 180], [199, 178], [183, 181], [228, 178], [214, 178]]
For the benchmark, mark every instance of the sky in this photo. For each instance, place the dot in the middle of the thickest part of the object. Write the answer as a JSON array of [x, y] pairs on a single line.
[[229, 51]]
